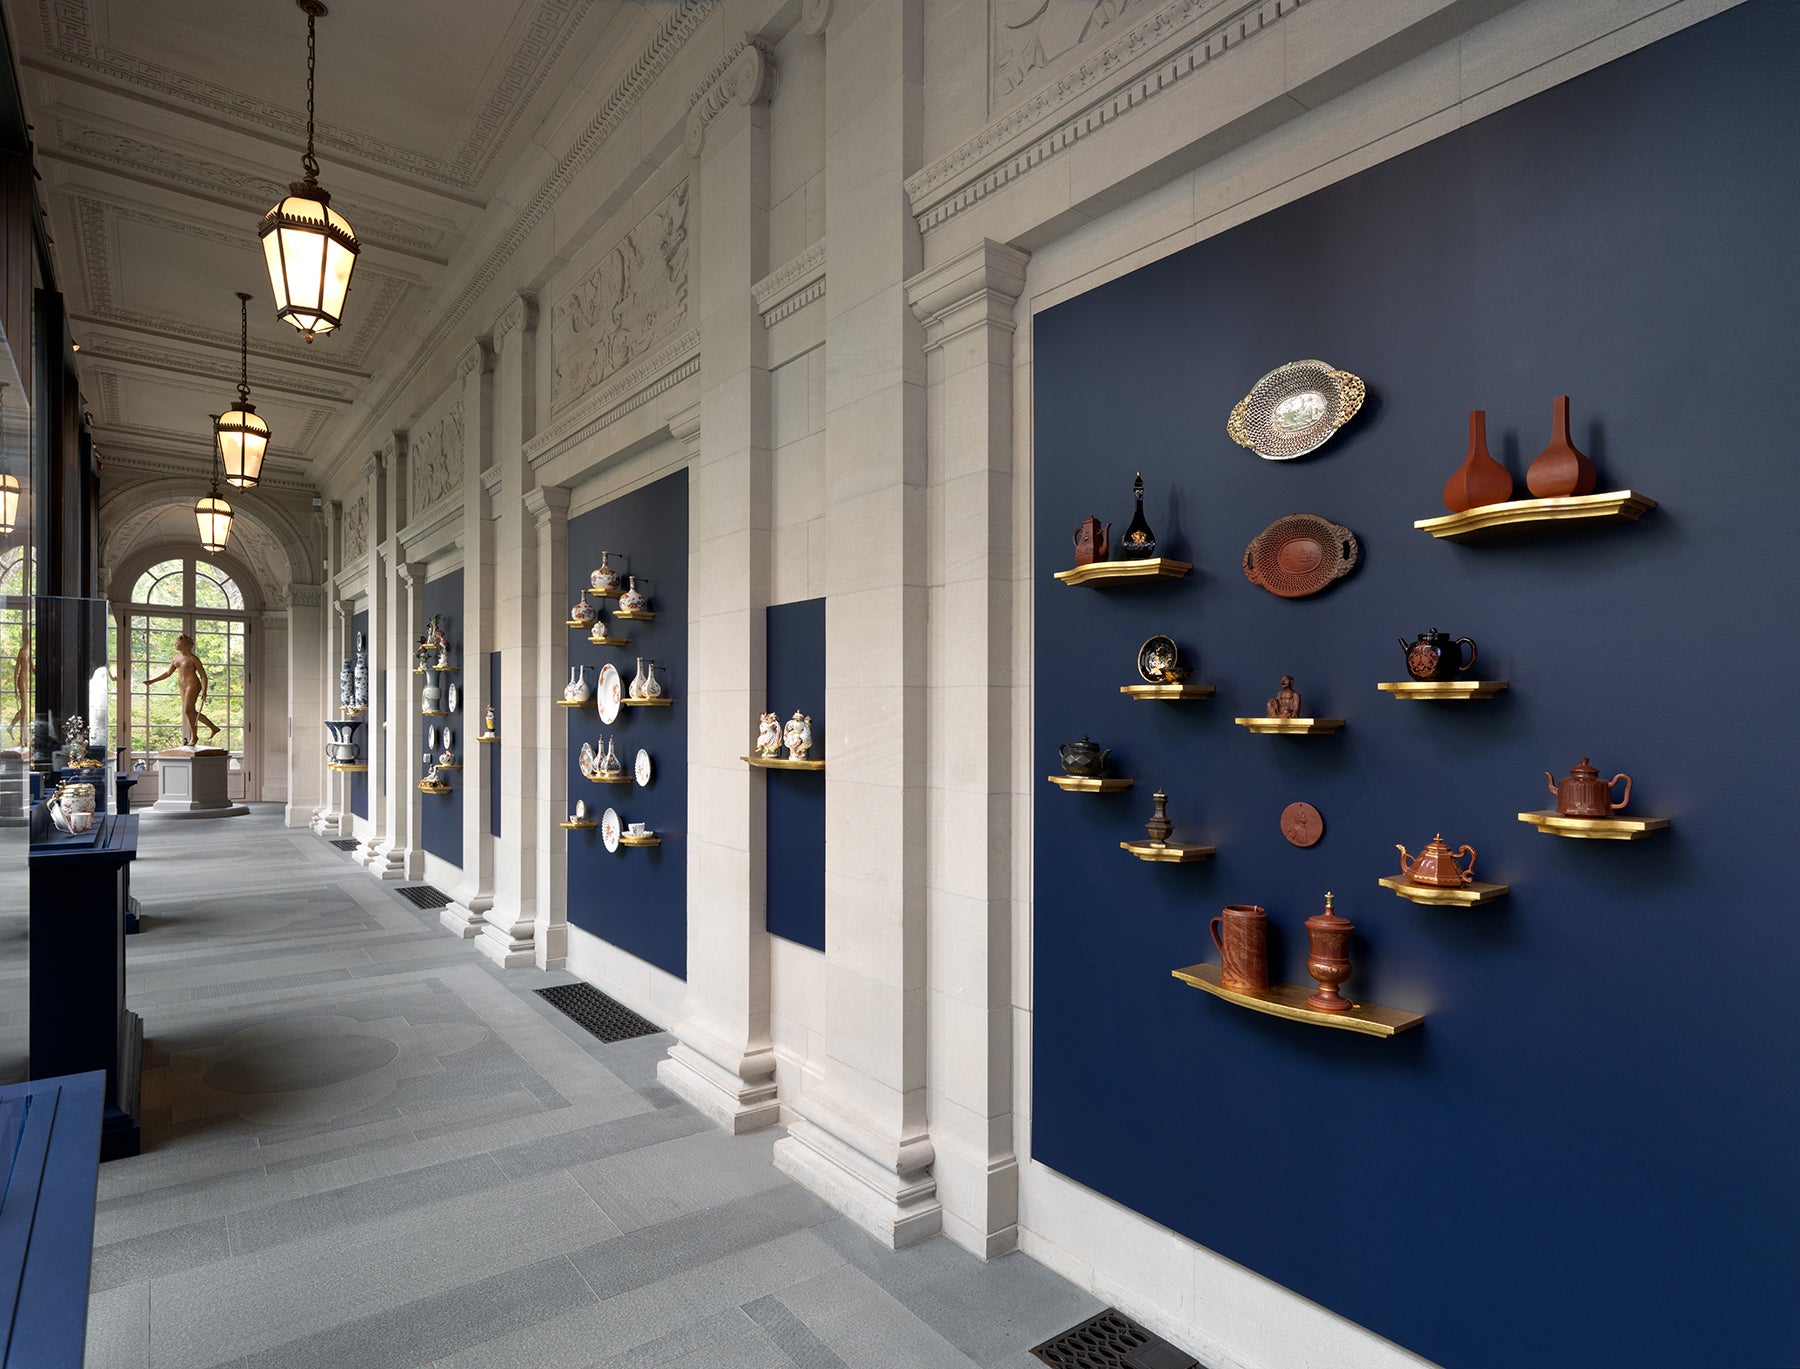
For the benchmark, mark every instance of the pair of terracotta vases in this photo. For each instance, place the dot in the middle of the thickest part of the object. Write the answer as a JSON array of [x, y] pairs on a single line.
[[1560, 470]]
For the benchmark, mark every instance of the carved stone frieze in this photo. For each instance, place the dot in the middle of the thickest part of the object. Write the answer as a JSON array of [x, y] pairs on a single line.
[[1029, 36], [744, 75], [436, 459], [356, 528], [622, 308], [306, 596], [644, 382]]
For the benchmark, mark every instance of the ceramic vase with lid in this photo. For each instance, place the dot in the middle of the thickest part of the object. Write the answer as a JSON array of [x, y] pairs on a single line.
[[1480, 479], [605, 579], [346, 692], [1328, 958], [576, 691], [1561, 469]]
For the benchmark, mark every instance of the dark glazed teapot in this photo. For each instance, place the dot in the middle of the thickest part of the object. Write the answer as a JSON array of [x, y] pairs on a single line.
[[1437, 655], [1585, 795], [1084, 758], [1090, 540]]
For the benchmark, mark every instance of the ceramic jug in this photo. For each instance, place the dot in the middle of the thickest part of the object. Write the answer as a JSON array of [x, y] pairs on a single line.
[[605, 579], [1085, 758], [1585, 795], [1241, 933], [1090, 540], [1437, 655], [1436, 864]]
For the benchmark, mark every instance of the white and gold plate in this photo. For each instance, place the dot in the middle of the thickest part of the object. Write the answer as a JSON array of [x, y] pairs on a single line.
[[641, 768], [609, 829], [610, 693]]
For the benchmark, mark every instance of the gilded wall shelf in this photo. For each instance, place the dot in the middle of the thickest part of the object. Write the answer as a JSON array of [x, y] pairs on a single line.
[[433, 713], [428, 788], [1087, 784], [607, 641], [418, 670], [347, 769], [1614, 828], [1156, 568], [354, 712], [579, 824], [1168, 691], [633, 615], [1290, 727], [1442, 689], [1168, 852], [639, 839], [1289, 1001], [605, 593], [449, 767], [575, 622], [1465, 896], [1527, 515], [781, 763], [445, 669], [572, 703], [487, 739], [647, 703], [620, 778]]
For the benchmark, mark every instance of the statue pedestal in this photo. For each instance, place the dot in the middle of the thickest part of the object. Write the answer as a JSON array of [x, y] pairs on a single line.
[[191, 783]]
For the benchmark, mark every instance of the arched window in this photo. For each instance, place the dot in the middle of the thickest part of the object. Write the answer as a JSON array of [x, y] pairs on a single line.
[[186, 595]]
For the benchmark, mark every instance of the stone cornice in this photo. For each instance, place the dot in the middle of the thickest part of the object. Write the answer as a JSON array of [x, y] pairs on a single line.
[[745, 75], [977, 287], [1182, 38], [654, 376], [490, 480], [547, 503], [120, 459], [791, 286]]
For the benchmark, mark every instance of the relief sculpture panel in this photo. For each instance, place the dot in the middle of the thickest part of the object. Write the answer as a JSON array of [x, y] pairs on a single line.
[[622, 308], [1030, 36], [436, 458], [356, 528]]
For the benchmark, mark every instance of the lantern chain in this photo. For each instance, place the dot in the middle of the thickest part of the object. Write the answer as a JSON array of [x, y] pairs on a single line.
[[244, 348], [310, 163]]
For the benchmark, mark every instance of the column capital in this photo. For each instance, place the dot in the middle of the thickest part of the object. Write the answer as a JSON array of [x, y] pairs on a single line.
[[520, 312], [977, 286], [412, 573], [547, 504], [745, 76], [814, 16], [684, 427], [344, 608], [374, 464], [477, 356]]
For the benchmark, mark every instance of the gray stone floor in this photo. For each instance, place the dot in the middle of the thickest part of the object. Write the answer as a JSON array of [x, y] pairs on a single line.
[[366, 1147]]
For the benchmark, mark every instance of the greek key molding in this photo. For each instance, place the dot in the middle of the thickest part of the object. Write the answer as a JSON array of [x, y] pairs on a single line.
[[792, 286], [643, 383], [1181, 39], [745, 75]]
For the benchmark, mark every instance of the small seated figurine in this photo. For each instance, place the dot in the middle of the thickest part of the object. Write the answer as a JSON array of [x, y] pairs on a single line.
[[768, 738], [798, 736], [1286, 703]]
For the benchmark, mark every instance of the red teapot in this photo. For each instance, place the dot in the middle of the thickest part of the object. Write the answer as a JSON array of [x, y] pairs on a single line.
[[1090, 540], [1436, 864], [1585, 795]]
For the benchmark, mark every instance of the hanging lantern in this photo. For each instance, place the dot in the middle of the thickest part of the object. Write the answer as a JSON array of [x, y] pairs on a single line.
[[213, 514], [9, 483], [309, 247], [243, 437]]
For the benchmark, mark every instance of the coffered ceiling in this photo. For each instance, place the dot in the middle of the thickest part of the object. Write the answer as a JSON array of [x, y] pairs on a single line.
[[165, 128]]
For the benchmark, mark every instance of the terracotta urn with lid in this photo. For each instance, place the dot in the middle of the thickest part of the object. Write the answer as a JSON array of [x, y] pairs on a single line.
[[1585, 795]]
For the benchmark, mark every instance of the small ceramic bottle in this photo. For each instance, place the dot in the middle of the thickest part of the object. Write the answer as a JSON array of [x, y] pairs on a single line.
[[577, 691], [632, 600], [605, 578], [1480, 479], [609, 763], [1561, 469], [635, 690], [652, 686]]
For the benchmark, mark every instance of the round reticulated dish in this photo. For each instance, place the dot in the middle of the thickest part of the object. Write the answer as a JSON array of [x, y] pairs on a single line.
[[1295, 409], [1300, 555]]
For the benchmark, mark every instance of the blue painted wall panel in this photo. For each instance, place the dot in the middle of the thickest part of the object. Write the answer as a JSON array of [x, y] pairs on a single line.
[[493, 748], [1584, 1156], [359, 782], [796, 812], [635, 898], [441, 815]]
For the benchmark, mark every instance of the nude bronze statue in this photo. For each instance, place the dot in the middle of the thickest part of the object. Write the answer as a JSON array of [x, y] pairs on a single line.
[[190, 676]]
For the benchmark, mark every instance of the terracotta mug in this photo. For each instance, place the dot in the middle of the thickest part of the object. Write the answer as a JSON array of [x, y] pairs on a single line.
[[1243, 947]]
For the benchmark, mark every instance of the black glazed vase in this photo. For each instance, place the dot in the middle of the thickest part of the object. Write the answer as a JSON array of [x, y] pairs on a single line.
[[1138, 543]]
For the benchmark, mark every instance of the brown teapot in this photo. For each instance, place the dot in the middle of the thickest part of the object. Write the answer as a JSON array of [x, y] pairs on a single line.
[[1585, 795], [1090, 540], [1436, 864]]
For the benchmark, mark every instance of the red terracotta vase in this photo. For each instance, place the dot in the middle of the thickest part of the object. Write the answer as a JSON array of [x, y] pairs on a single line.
[[1480, 479], [1560, 470]]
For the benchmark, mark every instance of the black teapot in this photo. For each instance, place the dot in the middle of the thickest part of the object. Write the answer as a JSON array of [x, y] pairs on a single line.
[[1437, 655], [1084, 758]]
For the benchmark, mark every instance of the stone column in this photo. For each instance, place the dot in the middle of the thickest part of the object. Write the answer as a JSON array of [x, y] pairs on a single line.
[[860, 1139], [548, 756], [405, 737], [335, 819], [307, 799], [966, 307], [383, 851], [506, 934], [724, 1060], [474, 893]]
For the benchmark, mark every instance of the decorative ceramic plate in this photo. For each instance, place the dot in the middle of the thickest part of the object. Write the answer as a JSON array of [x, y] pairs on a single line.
[[1156, 659], [588, 762], [641, 767], [1300, 555], [609, 829], [450, 707], [431, 737], [610, 692], [1295, 409]]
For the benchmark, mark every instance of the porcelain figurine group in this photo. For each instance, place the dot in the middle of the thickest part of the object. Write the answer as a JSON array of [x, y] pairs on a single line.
[[433, 650], [771, 736], [72, 808]]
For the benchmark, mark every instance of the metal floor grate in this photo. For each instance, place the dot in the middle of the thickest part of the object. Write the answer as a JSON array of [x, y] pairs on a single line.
[[1112, 1340], [423, 896], [345, 843], [604, 1017]]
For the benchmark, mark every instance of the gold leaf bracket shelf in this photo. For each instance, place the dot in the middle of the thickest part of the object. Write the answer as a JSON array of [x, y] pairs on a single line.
[[1156, 568], [605, 593], [780, 763], [572, 703], [1087, 784], [442, 766], [488, 739], [348, 769], [1168, 691], [646, 839], [1614, 828], [646, 703], [1515, 516], [1466, 896], [607, 641], [1168, 852], [578, 825], [425, 788], [433, 713], [1443, 690], [608, 779], [629, 615], [1289, 1001], [1290, 727]]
